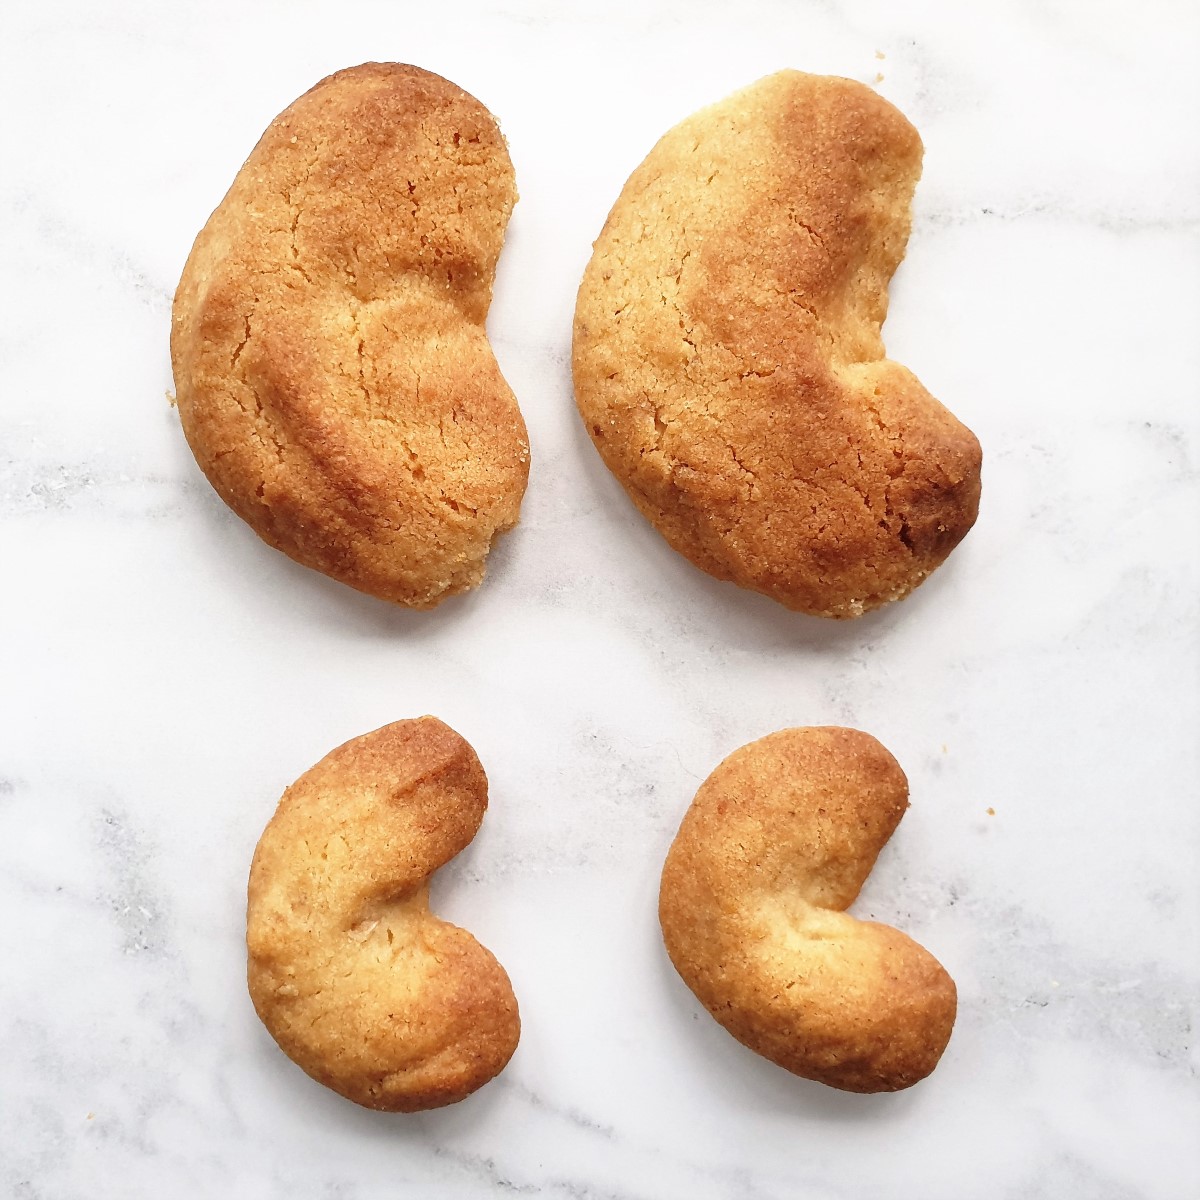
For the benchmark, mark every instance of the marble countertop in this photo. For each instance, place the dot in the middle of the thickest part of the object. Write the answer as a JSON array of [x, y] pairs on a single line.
[[166, 675]]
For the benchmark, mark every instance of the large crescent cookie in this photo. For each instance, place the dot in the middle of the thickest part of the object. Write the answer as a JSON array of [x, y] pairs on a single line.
[[333, 376], [777, 843], [728, 360], [359, 983]]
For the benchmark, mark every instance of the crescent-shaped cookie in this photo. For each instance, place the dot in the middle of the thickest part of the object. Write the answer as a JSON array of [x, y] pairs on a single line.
[[333, 375], [728, 362], [356, 980], [775, 846]]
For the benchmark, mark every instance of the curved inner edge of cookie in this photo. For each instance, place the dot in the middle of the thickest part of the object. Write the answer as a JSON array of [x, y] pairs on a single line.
[[392, 922]]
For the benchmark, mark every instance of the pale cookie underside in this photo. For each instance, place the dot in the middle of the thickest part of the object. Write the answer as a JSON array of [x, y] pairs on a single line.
[[333, 375], [728, 361]]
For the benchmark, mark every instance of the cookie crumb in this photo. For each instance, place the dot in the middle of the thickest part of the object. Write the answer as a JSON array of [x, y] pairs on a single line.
[[170, 398], [878, 77], [880, 54], [991, 812]]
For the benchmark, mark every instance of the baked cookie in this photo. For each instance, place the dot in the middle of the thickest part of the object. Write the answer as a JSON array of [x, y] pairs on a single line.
[[777, 843], [728, 360], [333, 376], [359, 983]]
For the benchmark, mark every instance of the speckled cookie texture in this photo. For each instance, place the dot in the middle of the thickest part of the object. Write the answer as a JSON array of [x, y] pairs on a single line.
[[359, 983], [777, 843], [333, 376], [728, 362]]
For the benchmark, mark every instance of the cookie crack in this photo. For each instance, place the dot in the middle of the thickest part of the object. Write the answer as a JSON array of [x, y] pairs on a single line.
[[747, 471], [817, 238], [237, 350], [360, 352], [296, 208], [263, 426], [896, 473]]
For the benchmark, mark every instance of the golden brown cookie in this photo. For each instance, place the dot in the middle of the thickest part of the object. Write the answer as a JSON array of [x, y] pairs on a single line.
[[333, 376], [777, 843], [728, 360], [359, 983]]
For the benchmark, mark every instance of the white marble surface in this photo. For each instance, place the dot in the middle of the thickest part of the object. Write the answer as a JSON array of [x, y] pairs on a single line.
[[165, 675]]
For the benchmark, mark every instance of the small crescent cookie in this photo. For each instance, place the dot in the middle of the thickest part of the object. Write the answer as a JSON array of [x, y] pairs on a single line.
[[357, 981], [333, 375], [778, 841], [728, 362]]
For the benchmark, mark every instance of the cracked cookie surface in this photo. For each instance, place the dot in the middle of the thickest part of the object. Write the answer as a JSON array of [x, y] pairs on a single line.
[[727, 354], [776, 844], [356, 980], [333, 375]]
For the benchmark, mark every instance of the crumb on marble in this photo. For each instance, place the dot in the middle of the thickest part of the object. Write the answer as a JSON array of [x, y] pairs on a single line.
[[170, 398], [991, 812], [878, 77], [880, 54]]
